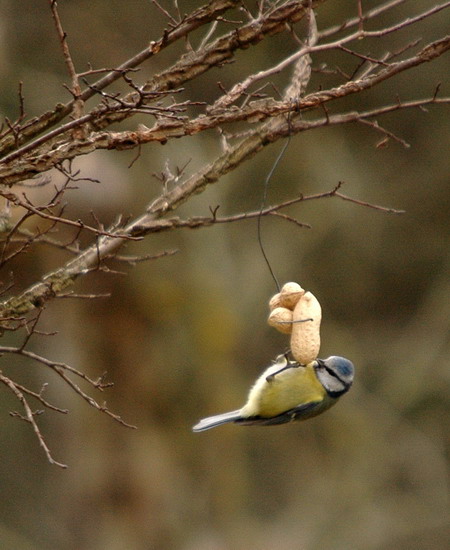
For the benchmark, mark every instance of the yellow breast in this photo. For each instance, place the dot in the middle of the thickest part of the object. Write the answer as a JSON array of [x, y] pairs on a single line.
[[286, 390]]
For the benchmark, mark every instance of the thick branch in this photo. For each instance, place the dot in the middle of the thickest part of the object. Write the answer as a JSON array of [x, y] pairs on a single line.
[[190, 66], [256, 110]]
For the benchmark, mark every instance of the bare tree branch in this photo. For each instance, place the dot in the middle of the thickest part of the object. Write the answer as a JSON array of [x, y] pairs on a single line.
[[29, 417], [194, 64], [75, 90], [196, 19], [256, 110]]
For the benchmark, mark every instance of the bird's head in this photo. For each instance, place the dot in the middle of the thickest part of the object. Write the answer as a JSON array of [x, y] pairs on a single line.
[[335, 374]]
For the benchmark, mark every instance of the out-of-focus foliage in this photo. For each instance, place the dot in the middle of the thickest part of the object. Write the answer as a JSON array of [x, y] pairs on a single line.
[[184, 337]]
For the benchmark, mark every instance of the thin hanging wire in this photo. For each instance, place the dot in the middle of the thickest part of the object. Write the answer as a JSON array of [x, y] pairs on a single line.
[[263, 204], [295, 89]]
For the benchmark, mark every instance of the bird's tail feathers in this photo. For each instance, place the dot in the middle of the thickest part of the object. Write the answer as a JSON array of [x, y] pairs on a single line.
[[217, 420]]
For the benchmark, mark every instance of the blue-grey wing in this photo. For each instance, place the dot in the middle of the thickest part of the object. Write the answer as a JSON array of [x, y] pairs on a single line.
[[297, 413]]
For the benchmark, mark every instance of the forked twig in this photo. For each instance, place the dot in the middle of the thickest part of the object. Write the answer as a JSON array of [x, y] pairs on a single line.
[[29, 417]]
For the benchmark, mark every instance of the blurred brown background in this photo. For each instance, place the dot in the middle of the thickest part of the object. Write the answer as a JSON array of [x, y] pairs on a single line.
[[184, 337]]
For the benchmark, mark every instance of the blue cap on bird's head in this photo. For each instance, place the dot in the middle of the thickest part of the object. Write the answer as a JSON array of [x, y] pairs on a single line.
[[335, 374], [342, 365]]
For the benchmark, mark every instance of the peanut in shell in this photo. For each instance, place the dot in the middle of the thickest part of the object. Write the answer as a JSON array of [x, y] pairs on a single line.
[[305, 336]]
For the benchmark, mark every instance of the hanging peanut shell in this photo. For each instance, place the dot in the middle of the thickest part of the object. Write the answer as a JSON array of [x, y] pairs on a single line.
[[281, 319], [305, 335]]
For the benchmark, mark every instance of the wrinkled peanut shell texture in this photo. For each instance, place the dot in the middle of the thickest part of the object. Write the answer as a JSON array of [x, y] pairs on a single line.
[[305, 336]]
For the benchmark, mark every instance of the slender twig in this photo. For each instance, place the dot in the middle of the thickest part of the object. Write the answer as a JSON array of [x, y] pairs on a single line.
[[387, 133], [172, 20], [206, 221], [369, 205], [65, 47], [30, 418], [62, 369], [52, 364], [59, 219], [84, 296], [208, 35], [39, 397], [132, 260], [31, 329], [370, 14], [75, 90]]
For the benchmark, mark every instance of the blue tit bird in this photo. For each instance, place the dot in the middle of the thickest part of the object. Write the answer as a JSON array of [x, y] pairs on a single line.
[[288, 391]]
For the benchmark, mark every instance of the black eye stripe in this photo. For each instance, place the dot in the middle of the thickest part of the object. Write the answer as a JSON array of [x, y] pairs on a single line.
[[335, 375]]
